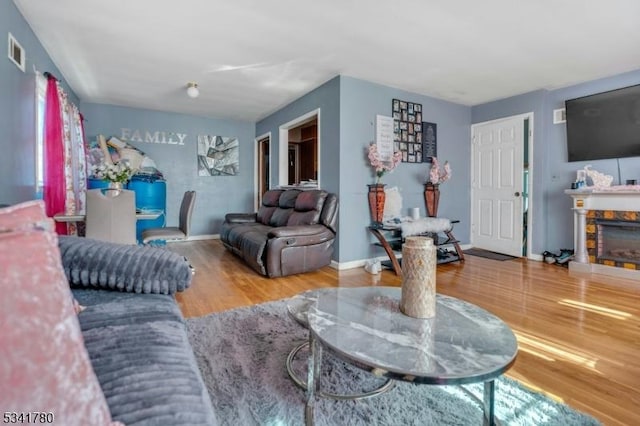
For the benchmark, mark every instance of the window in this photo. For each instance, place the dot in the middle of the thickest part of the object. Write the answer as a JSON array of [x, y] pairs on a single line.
[[41, 96]]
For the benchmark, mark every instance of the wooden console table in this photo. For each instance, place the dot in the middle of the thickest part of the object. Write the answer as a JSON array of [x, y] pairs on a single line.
[[391, 240]]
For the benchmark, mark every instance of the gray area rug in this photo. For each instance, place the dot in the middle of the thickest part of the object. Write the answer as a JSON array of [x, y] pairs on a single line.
[[488, 254], [241, 354]]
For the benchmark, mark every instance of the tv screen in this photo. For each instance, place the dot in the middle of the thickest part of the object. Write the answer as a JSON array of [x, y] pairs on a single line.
[[604, 125]]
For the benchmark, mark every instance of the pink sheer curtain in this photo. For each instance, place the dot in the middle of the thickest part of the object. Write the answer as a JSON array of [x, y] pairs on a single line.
[[65, 178], [54, 181]]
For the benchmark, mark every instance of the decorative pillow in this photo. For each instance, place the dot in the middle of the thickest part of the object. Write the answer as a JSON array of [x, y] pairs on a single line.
[[27, 215], [392, 204], [110, 266], [45, 365]]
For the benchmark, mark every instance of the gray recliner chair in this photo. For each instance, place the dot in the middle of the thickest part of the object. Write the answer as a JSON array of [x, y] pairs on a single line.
[[174, 233]]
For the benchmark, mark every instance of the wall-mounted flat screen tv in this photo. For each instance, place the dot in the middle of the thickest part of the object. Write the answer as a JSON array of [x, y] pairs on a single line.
[[604, 125]]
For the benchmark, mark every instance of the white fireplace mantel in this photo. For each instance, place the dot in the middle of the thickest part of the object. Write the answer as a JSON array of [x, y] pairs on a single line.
[[622, 198], [625, 200]]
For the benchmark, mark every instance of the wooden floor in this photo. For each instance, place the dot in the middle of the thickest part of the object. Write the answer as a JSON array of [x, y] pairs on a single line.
[[578, 334]]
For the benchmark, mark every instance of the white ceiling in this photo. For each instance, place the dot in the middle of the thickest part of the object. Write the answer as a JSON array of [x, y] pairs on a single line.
[[251, 57]]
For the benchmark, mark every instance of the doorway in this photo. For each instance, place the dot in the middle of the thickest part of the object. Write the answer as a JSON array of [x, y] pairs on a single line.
[[303, 146], [500, 190], [293, 162], [299, 163], [262, 167]]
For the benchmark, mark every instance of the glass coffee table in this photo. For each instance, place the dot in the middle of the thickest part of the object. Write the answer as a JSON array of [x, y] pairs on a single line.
[[297, 308], [462, 344]]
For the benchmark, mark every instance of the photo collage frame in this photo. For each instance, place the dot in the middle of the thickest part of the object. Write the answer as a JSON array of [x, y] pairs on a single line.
[[409, 133]]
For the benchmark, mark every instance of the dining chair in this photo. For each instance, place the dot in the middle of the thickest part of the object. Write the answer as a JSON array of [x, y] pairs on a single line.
[[174, 233], [111, 215]]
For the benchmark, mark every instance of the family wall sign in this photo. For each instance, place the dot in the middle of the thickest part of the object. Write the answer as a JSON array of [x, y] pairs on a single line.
[[148, 136]]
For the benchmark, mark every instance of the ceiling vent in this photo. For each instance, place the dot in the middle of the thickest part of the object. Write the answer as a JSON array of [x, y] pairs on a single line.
[[16, 53], [559, 116]]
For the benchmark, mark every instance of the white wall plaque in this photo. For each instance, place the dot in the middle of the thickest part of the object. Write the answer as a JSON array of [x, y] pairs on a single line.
[[384, 137]]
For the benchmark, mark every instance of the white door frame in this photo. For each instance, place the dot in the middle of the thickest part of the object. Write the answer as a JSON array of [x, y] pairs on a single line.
[[530, 189], [256, 160], [283, 145]]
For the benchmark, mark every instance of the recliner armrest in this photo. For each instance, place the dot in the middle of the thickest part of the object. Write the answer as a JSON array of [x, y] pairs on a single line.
[[240, 217], [297, 231]]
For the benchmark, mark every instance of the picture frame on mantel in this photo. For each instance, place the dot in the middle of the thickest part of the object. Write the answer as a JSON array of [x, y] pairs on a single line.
[[409, 132]]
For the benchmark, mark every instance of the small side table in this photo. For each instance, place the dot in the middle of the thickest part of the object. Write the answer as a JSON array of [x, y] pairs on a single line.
[[391, 240]]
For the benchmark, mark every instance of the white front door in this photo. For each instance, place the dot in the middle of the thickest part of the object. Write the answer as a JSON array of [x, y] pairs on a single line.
[[496, 185]]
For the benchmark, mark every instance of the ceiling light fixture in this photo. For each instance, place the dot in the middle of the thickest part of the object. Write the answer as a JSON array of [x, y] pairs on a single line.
[[192, 90]]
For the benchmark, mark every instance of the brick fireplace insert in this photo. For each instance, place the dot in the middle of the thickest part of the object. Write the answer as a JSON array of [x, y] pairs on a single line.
[[613, 238]]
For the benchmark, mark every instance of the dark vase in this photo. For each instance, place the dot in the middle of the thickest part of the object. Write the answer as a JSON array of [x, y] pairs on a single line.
[[431, 198], [376, 203]]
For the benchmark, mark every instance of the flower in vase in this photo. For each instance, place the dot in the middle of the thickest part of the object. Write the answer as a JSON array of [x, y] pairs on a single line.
[[438, 175], [382, 167], [116, 173]]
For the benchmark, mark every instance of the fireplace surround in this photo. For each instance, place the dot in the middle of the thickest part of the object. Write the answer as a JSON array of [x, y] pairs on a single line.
[[607, 231]]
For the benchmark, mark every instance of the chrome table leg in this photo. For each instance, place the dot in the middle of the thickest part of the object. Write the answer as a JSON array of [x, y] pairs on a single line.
[[313, 378], [488, 410]]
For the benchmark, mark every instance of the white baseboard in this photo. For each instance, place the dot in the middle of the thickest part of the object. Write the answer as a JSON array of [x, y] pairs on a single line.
[[361, 262], [341, 266], [537, 257]]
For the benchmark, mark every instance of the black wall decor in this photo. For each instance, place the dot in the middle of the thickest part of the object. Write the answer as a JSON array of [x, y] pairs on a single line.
[[429, 140], [409, 133]]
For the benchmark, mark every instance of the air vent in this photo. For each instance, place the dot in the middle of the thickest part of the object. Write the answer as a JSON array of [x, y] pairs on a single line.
[[16, 53], [559, 116]]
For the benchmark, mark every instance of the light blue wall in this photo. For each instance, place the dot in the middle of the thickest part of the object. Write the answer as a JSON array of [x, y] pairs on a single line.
[[552, 215], [360, 102], [17, 107], [561, 173], [216, 195], [327, 99], [534, 102], [348, 110]]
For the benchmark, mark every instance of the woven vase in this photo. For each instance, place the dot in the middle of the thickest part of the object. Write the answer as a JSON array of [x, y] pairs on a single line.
[[418, 298]]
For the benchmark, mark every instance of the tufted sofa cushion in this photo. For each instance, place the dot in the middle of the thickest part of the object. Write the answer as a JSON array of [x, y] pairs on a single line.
[[143, 360], [270, 202], [110, 266], [307, 208]]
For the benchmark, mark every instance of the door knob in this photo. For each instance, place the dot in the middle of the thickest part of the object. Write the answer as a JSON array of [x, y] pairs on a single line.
[[517, 194]]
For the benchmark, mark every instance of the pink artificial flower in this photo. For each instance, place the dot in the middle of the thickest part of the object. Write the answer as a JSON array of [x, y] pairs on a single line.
[[382, 167], [434, 173], [447, 172], [438, 175]]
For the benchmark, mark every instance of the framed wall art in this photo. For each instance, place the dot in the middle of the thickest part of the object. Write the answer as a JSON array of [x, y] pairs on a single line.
[[218, 156], [408, 134]]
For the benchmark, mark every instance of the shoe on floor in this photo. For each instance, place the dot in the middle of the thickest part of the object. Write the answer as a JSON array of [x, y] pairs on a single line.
[[565, 256], [373, 267]]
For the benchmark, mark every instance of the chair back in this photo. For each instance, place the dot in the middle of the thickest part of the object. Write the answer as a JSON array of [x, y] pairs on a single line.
[[111, 215], [186, 210]]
